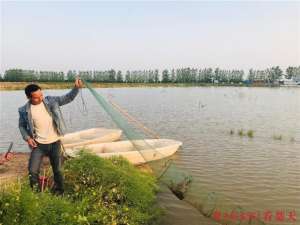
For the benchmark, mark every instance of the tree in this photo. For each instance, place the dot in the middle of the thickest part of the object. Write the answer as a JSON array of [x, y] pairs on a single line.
[[216, 75], [97, 76], [56, 76], [290, 72], [71, 75], [156, 76], [193, 75], [173, 76], [186, 76], [127, 77], [179, 75], [21, 75], [119, 77], [165, 76], [151, 77], [251, 75], [87, 75], [208, 75], [274, 74], [277, 72], [13, 75], [112, 75]]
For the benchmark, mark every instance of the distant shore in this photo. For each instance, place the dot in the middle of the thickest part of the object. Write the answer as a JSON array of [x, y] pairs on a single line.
[[6, 86]]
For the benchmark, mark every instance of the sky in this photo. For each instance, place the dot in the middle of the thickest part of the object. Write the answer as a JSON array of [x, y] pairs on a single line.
[[160, 35]]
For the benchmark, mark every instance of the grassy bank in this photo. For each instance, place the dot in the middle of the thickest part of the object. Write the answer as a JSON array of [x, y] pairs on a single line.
[[67, 85], [97, 191]]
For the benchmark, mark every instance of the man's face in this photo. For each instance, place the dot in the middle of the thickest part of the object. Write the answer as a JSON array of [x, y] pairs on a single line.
[[36, 97]]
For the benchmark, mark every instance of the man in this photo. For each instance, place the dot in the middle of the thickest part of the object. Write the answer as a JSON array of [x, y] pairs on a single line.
[[41, 125]]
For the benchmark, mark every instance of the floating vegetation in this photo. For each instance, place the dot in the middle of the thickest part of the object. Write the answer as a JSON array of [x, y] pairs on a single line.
[[250, 133], [277, 137], [241, 132]]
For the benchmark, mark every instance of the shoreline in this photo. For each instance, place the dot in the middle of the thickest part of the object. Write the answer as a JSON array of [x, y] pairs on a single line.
[[14, 168], [17, 167], [12, 86]]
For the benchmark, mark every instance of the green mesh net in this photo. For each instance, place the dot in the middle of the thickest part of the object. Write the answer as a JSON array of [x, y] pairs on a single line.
[[181, 184]]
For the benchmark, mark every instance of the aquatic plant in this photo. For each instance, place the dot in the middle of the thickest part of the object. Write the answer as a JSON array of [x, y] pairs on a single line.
[[241, 132], [250, 133], [277, 137]]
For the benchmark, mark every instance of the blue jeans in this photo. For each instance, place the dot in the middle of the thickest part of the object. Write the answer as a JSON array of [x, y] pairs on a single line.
[[53, 152]]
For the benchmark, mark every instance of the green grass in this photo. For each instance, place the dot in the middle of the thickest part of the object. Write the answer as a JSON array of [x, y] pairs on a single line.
[[97, 191]]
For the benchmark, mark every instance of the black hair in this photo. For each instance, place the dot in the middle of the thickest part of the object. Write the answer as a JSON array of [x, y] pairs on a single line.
[[31, 88]]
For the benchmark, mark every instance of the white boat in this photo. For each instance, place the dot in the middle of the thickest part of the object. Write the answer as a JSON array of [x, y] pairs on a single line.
[[90, 136], [135, 151]]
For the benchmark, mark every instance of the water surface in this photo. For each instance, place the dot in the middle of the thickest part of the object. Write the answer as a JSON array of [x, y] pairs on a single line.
[[259, 173]]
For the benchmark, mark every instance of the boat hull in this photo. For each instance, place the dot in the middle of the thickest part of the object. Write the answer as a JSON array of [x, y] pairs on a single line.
[[90, 136], [135, 151]]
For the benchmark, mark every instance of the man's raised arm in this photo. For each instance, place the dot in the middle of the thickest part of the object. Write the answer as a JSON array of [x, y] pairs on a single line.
[[67, 98]]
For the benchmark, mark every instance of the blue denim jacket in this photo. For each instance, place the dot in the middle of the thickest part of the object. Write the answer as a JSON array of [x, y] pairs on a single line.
[[52, 104]]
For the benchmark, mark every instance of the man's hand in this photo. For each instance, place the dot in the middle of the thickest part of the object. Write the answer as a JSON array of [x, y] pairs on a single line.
[[8, 156], [32, 144], [78, 83]]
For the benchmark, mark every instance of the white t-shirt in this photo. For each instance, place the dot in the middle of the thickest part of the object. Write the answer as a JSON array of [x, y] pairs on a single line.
[[43, 124]]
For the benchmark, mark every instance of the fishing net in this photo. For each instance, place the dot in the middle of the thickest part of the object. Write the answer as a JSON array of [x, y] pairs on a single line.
[[179, 182]]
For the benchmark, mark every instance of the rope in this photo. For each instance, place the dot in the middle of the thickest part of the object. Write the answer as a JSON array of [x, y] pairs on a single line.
[[133, 120], [84, 106]]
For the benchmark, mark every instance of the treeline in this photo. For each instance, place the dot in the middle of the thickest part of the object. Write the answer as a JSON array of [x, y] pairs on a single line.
[[182, 75], [272, 74]]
